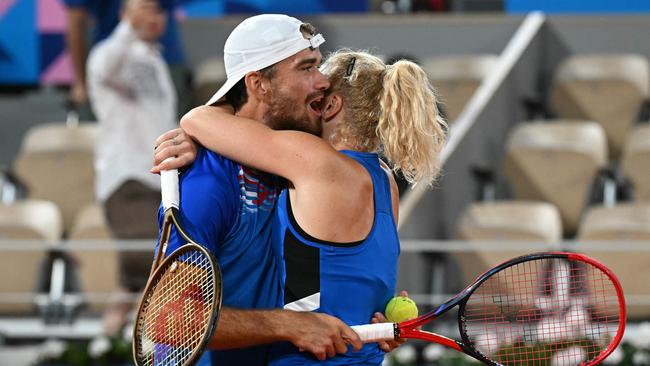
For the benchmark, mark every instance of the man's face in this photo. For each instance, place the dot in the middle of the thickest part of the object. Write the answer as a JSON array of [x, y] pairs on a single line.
[[154, 24], [297, 88], [147, 18]]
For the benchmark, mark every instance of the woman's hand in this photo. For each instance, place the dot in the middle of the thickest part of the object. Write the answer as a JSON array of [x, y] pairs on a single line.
[[388, 346], [174, 149]]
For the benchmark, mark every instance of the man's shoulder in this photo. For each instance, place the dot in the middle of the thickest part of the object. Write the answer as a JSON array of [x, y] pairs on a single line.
[[210, 180], [212, 167], [212, 160]]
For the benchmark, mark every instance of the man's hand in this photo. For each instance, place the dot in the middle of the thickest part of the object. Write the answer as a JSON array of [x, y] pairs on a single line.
[[78, 94], [321, 334], [178, 146]]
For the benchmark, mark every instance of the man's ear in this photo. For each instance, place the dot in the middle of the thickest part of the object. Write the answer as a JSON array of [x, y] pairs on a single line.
[[333, 107], [257, 86]]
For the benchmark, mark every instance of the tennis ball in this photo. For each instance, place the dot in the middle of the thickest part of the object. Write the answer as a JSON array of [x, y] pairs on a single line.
[[401, 308]]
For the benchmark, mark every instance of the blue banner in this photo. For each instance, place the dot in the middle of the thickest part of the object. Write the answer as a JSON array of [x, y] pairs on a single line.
[[578, 6]]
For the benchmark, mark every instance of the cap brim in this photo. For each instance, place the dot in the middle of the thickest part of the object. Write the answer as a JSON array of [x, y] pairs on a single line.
[[230, 82]]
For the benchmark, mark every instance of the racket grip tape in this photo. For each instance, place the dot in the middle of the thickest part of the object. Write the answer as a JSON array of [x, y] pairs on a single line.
[[376, 332], [169, 188]]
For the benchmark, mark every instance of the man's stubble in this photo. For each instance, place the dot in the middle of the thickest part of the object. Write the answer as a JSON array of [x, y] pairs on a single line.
[[286, 113]]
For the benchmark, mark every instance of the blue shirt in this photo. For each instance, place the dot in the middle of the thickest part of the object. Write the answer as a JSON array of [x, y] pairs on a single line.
[[351, 281], [107, 15], [229, 209]]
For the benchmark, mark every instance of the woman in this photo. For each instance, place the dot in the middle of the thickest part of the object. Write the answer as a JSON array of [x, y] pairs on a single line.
[[336, 222]]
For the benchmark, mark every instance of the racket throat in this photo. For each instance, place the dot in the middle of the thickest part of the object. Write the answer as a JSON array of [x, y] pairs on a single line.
[[436, 338], [449, 343]]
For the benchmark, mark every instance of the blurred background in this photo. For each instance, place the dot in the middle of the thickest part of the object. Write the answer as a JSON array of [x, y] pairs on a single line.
[[549, 111]]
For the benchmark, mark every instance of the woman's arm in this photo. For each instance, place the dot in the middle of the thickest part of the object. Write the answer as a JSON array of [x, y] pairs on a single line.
[[295, 155]]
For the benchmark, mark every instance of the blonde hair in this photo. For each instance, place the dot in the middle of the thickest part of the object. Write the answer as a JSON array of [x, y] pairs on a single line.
[[389, 109]]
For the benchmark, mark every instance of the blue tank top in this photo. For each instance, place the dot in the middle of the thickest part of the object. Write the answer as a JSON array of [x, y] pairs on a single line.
[[351, 281]]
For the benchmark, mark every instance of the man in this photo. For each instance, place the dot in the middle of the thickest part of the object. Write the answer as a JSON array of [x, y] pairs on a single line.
[[106, 15], [134, 100], [272, 67]]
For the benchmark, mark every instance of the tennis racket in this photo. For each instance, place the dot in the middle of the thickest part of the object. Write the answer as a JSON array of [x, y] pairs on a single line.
[[530, 310], [180, 305]]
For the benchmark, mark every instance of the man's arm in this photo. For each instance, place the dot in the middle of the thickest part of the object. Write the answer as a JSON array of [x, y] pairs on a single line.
[[75, 38], [321, 334]]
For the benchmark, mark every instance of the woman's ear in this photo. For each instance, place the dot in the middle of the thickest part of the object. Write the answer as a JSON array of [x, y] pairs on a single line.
[[333, 107]]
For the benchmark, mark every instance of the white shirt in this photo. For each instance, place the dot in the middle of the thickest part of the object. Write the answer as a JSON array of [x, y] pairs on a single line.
[[133, 97]]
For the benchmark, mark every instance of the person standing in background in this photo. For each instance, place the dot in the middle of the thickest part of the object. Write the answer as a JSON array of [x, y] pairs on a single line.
[[106, 15], [132, 95]]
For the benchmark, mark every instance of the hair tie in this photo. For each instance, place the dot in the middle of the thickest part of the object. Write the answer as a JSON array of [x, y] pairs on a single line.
[[350, 68]]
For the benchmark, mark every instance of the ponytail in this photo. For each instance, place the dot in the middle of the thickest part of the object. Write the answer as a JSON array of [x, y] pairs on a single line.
[[410, 128], [389, 108]]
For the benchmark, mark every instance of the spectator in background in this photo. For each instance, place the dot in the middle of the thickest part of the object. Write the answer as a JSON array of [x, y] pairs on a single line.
[[132, 95], [106, 15]]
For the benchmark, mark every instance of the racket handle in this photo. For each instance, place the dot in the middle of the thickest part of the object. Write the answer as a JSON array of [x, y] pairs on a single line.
[[376, 332], [169, 188]]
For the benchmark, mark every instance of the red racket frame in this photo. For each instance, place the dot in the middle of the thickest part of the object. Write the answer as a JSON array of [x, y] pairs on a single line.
[[408, 329]]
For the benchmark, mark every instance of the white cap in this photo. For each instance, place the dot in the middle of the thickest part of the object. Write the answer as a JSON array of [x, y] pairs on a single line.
[[259, 42]]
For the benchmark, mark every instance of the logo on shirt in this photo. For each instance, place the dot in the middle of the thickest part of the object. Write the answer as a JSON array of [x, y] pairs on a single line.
[[254, 193]]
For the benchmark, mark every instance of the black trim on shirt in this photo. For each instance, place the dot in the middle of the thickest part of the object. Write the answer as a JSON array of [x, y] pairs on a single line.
[[302, 263]]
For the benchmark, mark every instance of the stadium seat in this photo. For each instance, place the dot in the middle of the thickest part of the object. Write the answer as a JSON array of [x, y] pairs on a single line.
[[31, 219], [90, 223], [511, 220], [209, 77], [555, 162], [636, 161], [98, 267], [19, 268], [608, 89], [456, 78], [628, 223], [505, 221], [55, 163]]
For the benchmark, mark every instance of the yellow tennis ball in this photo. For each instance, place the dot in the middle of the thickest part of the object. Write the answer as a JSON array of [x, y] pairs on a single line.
[[401, 308]]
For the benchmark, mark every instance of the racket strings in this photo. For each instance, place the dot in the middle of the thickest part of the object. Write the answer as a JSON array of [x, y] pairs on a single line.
[[177, 312], [543, 311]]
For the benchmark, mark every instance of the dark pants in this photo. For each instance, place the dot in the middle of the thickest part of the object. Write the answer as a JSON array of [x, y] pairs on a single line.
[[131, 214]]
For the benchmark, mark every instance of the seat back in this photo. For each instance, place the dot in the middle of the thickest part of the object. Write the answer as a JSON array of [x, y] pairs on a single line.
[[608, 89], [31, 219], [210, 76], [20, 267], [456, 78], [636, 161], [98, 267], [555, 162], [628, 222], [56, 164], [504, 221]]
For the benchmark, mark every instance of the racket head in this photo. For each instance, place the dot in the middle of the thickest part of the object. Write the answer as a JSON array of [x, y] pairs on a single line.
[[521, 311], [179, 309]]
